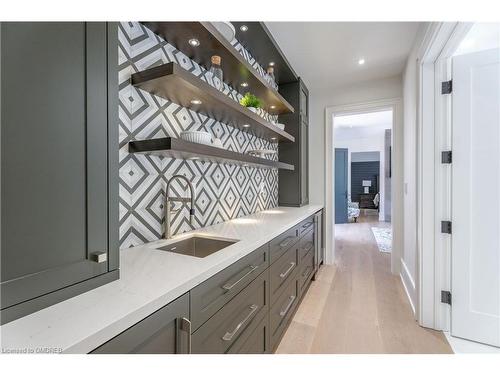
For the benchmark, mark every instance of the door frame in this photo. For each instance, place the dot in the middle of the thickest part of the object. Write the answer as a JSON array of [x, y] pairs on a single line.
[[433, 178], [397, 173]]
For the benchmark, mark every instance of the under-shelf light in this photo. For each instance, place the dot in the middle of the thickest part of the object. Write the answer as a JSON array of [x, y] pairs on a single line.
[[196, 102], [193, 42], [243, 28], [246, 125], [244, 84]]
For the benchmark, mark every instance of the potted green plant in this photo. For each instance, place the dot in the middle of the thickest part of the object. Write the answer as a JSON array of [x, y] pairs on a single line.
[[251, 102]]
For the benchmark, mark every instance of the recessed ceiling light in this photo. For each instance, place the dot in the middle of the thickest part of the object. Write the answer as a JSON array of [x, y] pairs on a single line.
[[194, 42], [246, 125], [196, 101], [244, 84], [271, 63], [361, 61], [243, 28]]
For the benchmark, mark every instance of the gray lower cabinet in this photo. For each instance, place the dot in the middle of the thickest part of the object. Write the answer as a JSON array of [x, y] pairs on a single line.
[[59, 167], [241, 314], [210, 296], [164, 332], [245, 308]]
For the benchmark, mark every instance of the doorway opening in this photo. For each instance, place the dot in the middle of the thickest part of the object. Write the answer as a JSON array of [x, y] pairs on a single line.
[[362, 171]]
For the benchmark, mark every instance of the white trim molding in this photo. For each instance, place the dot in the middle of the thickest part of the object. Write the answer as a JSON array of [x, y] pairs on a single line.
[[397, 172], [434, 179]]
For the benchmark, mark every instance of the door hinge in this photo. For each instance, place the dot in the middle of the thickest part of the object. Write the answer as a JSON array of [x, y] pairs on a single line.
[[446, 297], [446, 87], [446, 227], [446, 157]]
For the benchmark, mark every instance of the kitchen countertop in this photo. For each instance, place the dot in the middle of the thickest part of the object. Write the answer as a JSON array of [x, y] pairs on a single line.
[[149, 279]]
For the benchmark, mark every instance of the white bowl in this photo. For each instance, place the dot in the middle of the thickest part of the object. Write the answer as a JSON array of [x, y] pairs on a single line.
[[204, 138]]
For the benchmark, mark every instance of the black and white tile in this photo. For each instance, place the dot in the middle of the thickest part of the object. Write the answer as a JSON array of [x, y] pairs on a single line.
[[223, 191]]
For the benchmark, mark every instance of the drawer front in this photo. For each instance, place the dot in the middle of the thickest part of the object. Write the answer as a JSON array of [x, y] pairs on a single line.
[[210, 296], [305, 271], [255, 342], [306, 244], [306, 226], [283, 271], [281, 312], [242, 314], [282, 243]]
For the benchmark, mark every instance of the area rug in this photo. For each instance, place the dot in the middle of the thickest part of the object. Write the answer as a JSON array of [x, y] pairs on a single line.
[[383, 236]]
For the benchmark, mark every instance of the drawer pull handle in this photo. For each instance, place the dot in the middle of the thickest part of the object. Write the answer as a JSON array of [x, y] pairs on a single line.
[[287, 241], [288, 306], [285, 274], [307, 225], [185, 325], [227, 287], [306, 249], [228, 336]]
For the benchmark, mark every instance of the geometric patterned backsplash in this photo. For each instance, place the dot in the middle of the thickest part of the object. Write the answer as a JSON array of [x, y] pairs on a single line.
[[223, 191]]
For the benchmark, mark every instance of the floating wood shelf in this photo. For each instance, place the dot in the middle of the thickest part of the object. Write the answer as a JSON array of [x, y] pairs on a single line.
[[176, 84], [178, 148], [237, 70]]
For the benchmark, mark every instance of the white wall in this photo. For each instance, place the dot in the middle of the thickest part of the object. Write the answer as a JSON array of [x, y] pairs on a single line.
[[373, 143], [410, 109], [387, 88]]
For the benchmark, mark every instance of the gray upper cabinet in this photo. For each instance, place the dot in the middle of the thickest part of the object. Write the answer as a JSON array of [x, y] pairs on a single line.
[[59, 150], [294, 185]]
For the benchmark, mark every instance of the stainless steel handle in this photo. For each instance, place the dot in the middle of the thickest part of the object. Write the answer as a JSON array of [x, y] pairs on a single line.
[[228, 336], [285, 274], [99, 256], [283, 312], [185, 325], [228, 286], [287, 241], [307, 225]]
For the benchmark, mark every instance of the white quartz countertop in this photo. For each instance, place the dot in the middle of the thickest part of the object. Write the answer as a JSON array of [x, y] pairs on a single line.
[[149, 279]]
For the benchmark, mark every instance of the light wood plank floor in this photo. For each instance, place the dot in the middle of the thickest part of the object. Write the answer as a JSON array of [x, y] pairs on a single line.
[[357, 305]]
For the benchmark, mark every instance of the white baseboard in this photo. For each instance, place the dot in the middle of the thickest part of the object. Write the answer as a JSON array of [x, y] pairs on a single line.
[[408, 284]]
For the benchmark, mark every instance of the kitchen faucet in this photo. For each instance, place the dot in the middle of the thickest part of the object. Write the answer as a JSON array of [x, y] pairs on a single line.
[[168, 200]]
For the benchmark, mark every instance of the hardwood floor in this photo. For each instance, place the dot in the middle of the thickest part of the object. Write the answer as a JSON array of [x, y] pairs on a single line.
[[357, 305]]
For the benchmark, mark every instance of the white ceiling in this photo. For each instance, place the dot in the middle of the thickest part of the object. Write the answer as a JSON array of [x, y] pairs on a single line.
[[326, 54], [363, 125]]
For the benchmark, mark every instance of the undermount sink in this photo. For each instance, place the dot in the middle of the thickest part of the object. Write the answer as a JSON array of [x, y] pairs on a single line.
[[198, 246]]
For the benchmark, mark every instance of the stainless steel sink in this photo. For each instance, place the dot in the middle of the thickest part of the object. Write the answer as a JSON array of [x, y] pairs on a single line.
[[198, 246]]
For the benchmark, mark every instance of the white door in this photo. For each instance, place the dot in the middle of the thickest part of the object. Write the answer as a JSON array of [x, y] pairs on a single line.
[[475, 309]]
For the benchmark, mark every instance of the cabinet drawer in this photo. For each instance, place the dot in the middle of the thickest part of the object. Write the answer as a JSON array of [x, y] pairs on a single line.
[[282, 243], [243, 313], [283, 270], [256, 342], [159, 333], [210, 296], [305, 271], [306, 244], [281, 312], [306, 225]]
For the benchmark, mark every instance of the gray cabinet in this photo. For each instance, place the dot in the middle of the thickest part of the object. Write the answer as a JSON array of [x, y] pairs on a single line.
[[59, 150], [294, 185], [210, 296], [241, 314], [167, 331], [245, 308]]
